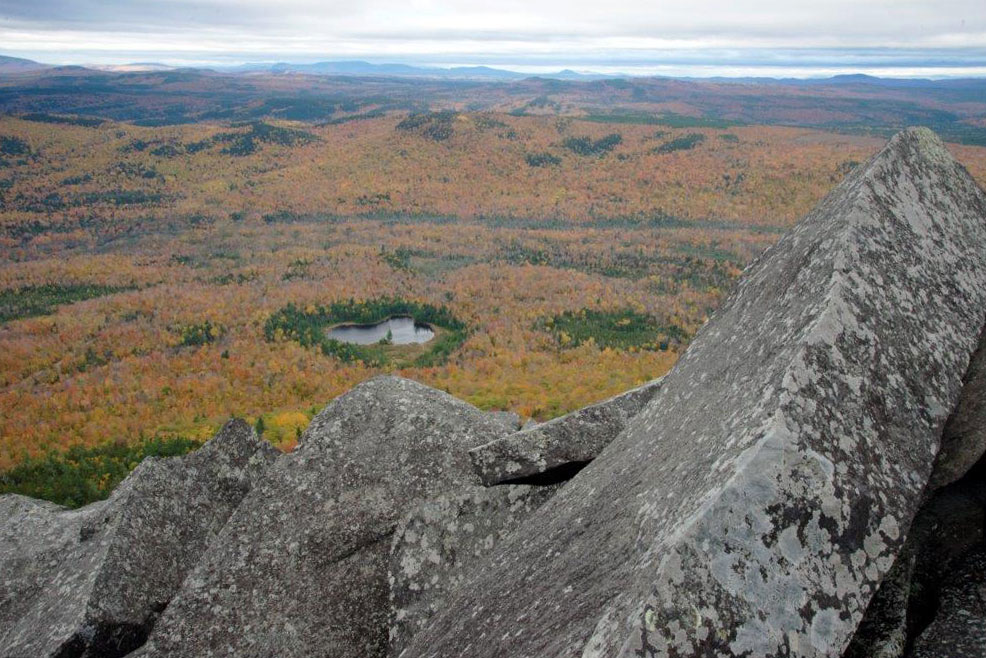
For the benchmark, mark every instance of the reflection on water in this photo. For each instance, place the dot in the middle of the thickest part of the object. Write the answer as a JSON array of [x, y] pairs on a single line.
[[403, 330]]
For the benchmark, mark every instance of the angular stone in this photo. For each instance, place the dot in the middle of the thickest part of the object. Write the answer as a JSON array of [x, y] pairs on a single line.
[[754, 506], [570, 441], [959, 628], [301, 567], [440, 540], [92, 581]]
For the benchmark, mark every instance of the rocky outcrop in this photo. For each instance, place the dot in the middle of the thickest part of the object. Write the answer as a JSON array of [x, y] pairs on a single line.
[[440, 540], [91, 582], [561, 446], [301, 567], [755, 505]]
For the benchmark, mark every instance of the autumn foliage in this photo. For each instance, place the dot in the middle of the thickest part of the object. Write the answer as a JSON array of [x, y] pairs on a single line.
[[144, 269]]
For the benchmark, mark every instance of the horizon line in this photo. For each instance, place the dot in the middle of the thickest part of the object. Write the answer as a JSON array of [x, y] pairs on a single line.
[[929, 70]]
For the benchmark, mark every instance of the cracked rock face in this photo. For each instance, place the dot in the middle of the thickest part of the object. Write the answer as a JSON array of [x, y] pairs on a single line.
[[301, 567], [883, 631], [91, 582], [440, 540], [570, 440], [950, 525], [755, 505], [959, 628], [964, 438]]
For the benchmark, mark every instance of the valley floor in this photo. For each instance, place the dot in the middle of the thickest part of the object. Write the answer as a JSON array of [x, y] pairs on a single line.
[[141, 266]]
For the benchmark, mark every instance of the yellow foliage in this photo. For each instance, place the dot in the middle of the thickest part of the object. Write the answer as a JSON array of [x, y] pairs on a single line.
[[284, 428], [526, 244]]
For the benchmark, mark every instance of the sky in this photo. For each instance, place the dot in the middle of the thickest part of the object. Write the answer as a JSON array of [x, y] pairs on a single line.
[[904, 38]]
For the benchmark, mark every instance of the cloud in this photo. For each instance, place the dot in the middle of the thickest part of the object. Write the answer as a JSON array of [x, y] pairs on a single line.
[[947, 33]]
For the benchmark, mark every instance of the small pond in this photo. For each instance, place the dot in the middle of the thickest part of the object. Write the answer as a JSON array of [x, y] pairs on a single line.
[[403, 331]]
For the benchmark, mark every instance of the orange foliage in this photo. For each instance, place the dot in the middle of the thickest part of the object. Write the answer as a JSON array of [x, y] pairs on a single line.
[[112, 368]]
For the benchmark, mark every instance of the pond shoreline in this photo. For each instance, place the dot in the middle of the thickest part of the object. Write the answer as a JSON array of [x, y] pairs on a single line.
[[400, 329]]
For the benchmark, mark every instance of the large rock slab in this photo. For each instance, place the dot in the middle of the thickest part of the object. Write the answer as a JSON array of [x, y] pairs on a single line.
[[440, 540], [564, 444], [755, 505], [301, 567], [46, 574], [959, 628], [92, 581]]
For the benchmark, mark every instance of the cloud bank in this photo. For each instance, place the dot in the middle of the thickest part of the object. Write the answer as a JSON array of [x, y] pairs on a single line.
[[711, 36]]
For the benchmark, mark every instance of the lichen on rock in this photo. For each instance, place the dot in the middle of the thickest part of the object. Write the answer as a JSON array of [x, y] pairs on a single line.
[[301, 567], [440, 540], [755, 505], [92, 581]]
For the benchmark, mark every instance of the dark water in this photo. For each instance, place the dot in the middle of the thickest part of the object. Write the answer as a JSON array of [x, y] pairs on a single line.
[[403, 331]]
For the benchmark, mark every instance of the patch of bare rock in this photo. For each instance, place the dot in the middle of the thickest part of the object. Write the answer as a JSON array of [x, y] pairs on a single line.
[[92, 581], [300, 569]]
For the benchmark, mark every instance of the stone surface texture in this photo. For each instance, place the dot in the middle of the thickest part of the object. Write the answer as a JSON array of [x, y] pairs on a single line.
[[959, 629], [950, 525], [440, 540], [301, 568], [885, 628], [510, 421], [574, 438], [964, 438], [756, 503], [92, 581]]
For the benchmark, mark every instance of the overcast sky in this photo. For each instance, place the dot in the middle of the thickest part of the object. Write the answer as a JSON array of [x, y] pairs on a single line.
[[700, 37]]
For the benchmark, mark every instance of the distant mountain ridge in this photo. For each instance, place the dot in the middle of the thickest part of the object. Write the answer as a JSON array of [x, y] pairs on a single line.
[[356, 68], [19, 65], [359, 67], [329, 67]]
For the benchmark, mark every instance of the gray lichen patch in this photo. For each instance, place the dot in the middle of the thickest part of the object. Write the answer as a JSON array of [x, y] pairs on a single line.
[[949, 527], [440, 540]]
